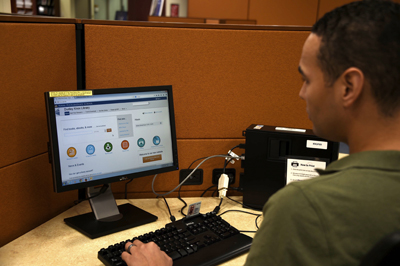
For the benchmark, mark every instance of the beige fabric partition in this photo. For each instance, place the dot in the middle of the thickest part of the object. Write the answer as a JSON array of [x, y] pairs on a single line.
[[224, 79], [35, 57]]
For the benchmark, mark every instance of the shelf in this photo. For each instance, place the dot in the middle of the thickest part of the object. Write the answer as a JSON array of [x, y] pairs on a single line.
[[36, 7]]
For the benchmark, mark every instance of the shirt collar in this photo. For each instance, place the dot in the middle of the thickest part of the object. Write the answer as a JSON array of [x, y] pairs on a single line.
[[384, 160]]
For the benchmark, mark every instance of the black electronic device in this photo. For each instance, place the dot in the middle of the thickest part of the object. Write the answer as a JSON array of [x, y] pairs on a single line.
[[107, 135], [268, 151], [201, 240]]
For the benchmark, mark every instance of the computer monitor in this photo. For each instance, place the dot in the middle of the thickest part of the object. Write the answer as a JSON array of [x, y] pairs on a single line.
[[108, 135]]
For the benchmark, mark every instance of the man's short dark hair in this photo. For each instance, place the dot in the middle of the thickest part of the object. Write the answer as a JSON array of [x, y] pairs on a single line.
[[365, 35]]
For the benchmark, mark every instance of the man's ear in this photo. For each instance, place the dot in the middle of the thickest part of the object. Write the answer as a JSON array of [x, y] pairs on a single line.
[[352, 83]]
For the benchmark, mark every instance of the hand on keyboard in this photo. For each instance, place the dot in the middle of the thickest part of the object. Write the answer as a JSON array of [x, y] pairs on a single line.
[[205, 239], [145, 254]]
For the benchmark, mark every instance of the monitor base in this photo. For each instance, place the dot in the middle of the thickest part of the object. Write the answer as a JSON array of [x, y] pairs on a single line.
[[88, 225]]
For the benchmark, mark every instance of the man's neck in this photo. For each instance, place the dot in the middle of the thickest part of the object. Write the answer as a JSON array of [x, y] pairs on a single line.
[[375, 134]]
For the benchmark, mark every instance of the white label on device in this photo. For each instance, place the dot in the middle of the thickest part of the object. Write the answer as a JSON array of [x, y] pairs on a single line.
[[315, 144], [290, 129], [297, 170]]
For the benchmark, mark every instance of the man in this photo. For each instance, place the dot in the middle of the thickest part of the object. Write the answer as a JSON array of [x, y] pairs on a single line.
[[350, 64]]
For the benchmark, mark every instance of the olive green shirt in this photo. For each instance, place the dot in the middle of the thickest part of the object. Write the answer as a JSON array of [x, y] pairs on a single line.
[[333, 219]]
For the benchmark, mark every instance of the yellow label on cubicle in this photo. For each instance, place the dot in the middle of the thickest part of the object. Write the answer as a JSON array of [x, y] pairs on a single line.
[[70, 93]]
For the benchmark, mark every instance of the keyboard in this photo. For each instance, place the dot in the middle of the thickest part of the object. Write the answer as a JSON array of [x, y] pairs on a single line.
[[204, 239]]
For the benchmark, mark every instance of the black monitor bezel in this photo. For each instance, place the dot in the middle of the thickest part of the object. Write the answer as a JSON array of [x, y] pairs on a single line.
[[54, 150]]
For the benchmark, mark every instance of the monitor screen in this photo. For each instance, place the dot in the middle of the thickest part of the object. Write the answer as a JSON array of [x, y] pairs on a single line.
[[111, 135], [108, 135]]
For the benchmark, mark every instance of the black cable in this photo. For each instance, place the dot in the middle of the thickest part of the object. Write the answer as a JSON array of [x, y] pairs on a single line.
[[179, 197], [217, 208], [171, 217], [102, 190], [196, 161], [226, 164], [179, 191], [252, 213], [256, 214], [237, 146], [213, 194], [126, 188], [207, 190], [256, 221], [230, 159]]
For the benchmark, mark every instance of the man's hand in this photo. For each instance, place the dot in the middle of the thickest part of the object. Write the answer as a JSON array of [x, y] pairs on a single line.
[[145, 255]]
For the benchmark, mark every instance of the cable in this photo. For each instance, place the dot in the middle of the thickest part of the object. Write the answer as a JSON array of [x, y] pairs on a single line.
[[184, 202], [126, 184], [207, 190], [183, 181], [126, 188], [245, 206], [256, 214], [220, 202], [252, 213], [233, 155], [217, 208], [102, 190], [256, 221], [226, 164], [171, 217], [195, 161], [213, 194]]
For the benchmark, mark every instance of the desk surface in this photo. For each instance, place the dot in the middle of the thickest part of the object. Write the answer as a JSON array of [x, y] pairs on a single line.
[[55, 243]]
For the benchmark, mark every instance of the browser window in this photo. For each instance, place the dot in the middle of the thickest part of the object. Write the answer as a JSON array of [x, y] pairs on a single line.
[[101, 135]]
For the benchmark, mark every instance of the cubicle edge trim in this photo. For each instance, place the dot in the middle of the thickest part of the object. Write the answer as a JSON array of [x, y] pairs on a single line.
[[194, 25], [37, 19], [80, 56], [42, 19]]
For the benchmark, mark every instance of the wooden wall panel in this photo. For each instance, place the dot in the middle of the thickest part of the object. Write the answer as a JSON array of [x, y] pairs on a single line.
[[283, 12], [223, 80], [27, 197], [220, 9], [34, 58]]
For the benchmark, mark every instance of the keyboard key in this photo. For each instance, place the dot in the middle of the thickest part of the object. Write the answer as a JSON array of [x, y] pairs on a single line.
[[182, 252], [174, 255]]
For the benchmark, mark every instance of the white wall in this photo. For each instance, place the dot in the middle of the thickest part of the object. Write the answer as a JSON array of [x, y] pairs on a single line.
[[182, 7], [67, 9], [114, 6], [100, 9], [5, 6]]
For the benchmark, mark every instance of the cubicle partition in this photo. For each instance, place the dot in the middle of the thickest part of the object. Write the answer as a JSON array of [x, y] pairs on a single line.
[[224, 78], [37, 55]]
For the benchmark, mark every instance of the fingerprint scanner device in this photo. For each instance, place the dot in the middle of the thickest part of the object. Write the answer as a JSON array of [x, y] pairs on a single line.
[[268, 151]]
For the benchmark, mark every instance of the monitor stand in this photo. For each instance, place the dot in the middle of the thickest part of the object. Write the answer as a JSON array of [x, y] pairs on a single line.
[[107, 217]]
